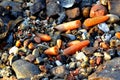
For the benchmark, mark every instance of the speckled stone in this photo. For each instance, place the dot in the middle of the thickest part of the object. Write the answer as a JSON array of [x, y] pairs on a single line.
[[108, 71], [24, 69]]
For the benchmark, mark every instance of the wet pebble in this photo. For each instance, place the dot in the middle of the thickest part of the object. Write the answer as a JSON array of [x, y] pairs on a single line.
[[24, 69]]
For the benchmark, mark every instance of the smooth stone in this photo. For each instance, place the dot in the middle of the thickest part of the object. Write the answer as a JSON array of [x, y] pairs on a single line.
[[39, 60], [24, 69], [36, 53], [36, 7], [88, 50], [4, 57], [108, 71], [115, 7], [30, 58], [59, 71]]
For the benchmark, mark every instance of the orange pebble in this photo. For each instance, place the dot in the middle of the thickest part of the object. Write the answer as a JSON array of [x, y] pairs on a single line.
[[52, 51], [104, 45], [18, 43], [43, 37], [88, 23], [31, 46], [73, 43], [117, 35], [72, 49], [69, 26]]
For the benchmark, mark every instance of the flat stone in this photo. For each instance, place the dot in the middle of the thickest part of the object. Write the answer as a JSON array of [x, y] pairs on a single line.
[[115, 7], [89, 50], [24, 69], [108, 71]]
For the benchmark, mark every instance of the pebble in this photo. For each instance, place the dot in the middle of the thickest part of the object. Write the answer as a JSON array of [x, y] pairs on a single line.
[[13, 50], [24, 69], [30, 58], [89, 50], [73, 13], [36, 53], [60, 29], [59, 71], [4, 57]]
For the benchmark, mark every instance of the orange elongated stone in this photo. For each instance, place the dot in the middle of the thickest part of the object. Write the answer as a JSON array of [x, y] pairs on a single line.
[[72, 49], [53, 51], [88, 23], [43, 37], [69, 26], [73, 43]]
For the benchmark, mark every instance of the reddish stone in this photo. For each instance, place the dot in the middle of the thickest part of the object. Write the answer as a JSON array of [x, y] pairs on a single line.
[[98, 10]]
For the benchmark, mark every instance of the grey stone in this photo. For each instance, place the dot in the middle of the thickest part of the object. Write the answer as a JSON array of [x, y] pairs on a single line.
[[36, 53], [108, 71], [24, 69], [115, 7], [36, 7]]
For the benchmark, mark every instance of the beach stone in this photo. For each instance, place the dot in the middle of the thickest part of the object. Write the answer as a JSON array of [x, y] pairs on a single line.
[[30, 58], [36, 7], [59, 71], [88, 50], [24, 69], [73, 13], [108, 71], [53, 9], [36, 53], [98, 10], [114, 7]]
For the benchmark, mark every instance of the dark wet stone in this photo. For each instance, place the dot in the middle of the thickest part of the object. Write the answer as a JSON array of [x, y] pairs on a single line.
[[53, 9], [16, 6], [115, 7], [36, 7], [108, 71], [24, 69]]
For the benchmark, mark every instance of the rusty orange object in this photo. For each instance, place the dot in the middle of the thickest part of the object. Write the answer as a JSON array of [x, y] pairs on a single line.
[[98, 10], [117, 35], [73, 43], [43, 37], [72, 49], [90, 22], [104, 45], [69, 26], [31, 46], [53, 51], [18, 43]]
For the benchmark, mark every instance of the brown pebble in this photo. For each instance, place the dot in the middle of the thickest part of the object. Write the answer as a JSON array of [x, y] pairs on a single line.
[[73, 13], [30, 58]]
